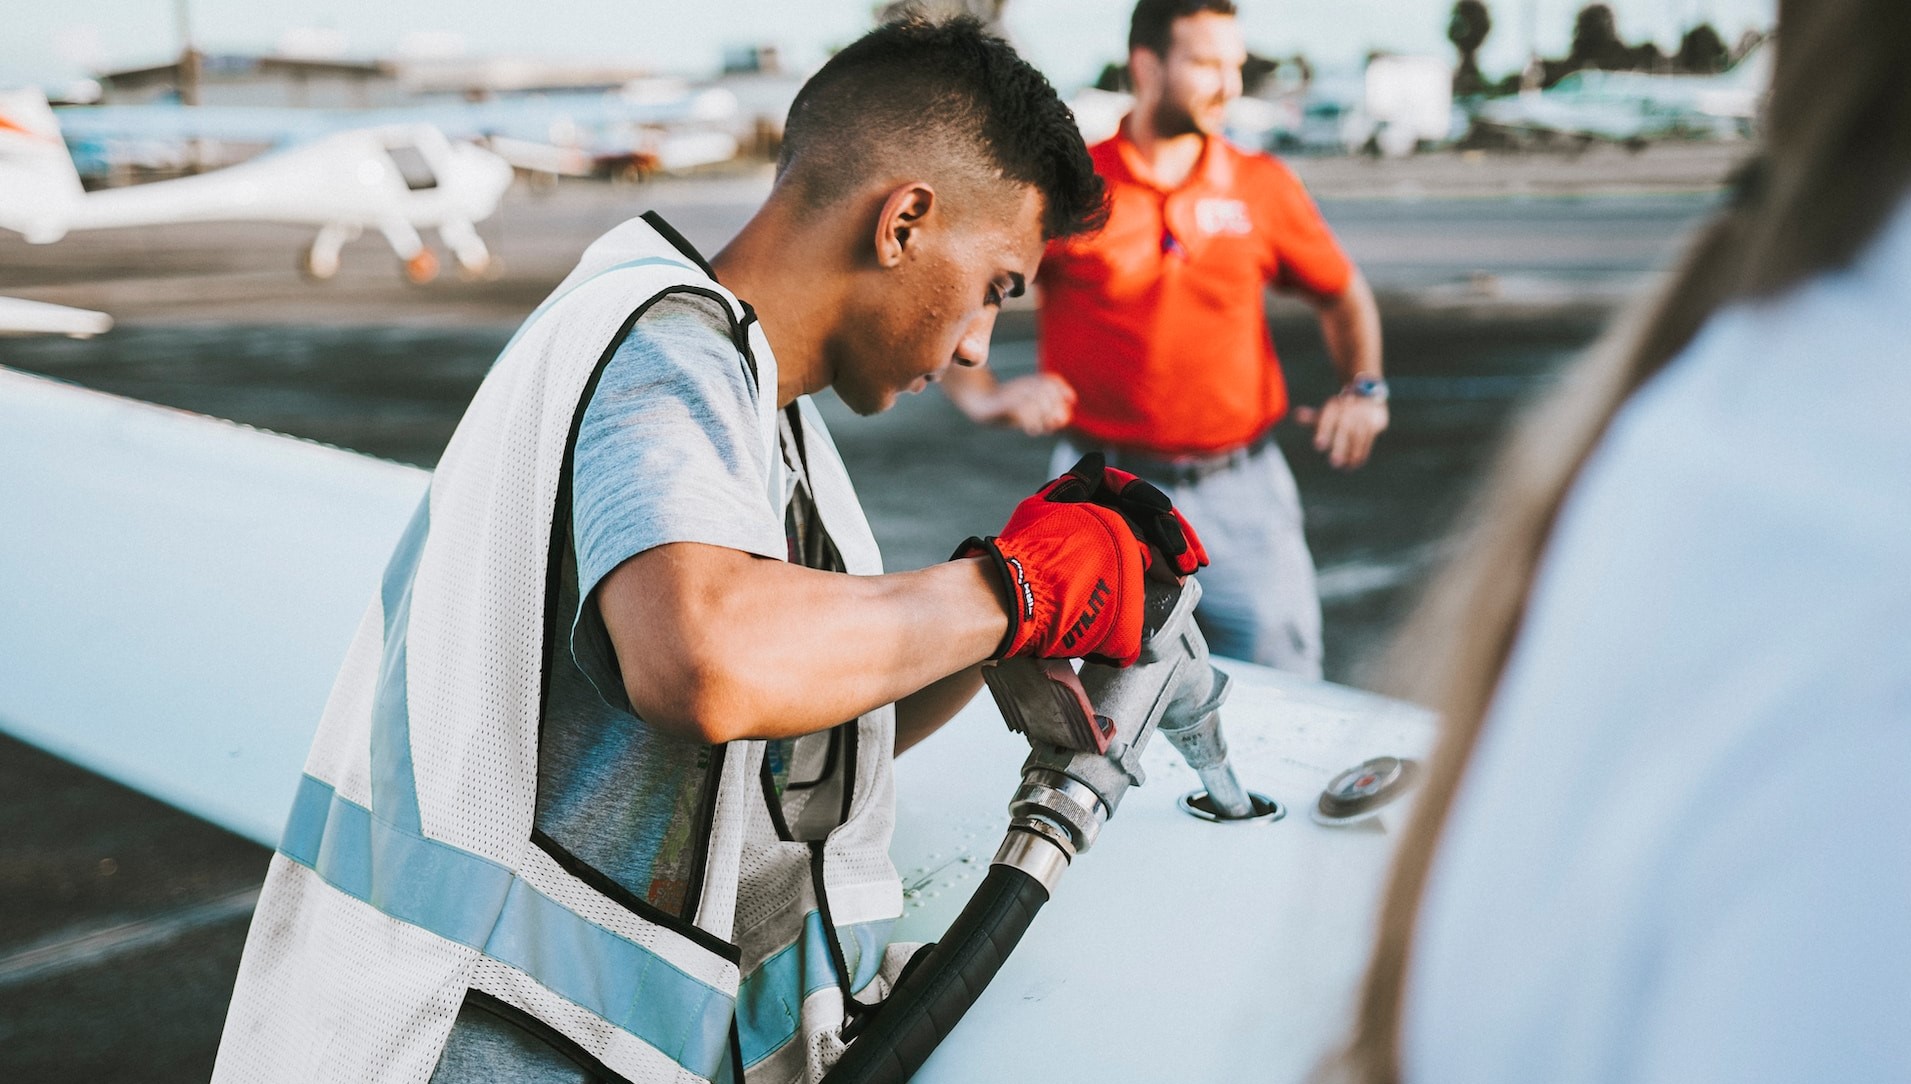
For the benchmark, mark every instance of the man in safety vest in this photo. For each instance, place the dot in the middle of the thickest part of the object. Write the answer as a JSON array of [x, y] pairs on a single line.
[[1154, 345], [603, 791]]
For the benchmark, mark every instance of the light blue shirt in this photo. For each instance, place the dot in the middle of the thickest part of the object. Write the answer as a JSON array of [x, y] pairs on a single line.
[[1682, 850]]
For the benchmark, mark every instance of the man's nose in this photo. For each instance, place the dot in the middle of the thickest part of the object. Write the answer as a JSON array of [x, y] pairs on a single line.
[[973, 351]]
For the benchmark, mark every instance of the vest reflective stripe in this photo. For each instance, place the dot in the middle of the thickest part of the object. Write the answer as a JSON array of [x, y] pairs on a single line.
[[765, 1017], [469, 899], [394, 787], [871, 940]]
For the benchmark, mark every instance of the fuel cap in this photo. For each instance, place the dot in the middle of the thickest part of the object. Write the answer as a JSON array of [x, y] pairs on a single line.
[[1361, 792]]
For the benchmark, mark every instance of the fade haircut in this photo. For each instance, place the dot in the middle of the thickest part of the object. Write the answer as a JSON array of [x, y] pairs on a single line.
[[947, 95], [1152, 27]]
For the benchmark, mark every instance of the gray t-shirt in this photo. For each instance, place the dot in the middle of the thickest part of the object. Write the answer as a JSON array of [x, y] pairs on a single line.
[[669, 450]]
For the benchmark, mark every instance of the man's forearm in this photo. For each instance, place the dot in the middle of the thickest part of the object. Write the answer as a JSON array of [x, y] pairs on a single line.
[[1350, 324], [923, 712], [973, 391], [716, 644], [1347, 425]]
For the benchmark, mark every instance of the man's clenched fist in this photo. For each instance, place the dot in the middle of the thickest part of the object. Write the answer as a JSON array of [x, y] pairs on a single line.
[[1073, 559]]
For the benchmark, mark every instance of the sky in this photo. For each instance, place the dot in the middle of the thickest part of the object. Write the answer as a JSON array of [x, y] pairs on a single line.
[[1070, 40]]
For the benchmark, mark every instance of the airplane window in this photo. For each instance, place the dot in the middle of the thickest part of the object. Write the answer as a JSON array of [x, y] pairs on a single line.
[[413, 167]]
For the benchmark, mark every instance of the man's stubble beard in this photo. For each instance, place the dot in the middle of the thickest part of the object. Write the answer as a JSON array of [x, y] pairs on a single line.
[[1171, 120]]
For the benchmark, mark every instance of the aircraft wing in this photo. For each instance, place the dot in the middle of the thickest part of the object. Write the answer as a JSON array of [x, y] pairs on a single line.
[[180, 591], [1175, 949], [547, 132]]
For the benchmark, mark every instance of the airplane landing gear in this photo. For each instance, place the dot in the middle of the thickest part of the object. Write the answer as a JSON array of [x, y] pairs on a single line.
[[421, 267], [475, 261], [319, 260], [420, 263], [316, 266]]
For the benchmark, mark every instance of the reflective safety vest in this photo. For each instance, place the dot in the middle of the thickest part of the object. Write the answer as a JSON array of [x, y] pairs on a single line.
[[410, 878]]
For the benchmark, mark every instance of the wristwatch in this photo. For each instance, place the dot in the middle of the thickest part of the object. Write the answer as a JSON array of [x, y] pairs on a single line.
[[1366, 387]]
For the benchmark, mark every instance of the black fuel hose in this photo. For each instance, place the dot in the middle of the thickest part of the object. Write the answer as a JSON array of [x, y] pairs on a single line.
[[926, 1006]]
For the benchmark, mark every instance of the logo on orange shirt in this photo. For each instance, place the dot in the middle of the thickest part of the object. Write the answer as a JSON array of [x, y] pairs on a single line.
[[1227, 216]]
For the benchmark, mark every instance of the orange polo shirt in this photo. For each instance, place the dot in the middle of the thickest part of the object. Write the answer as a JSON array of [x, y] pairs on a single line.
[[1158, 321]]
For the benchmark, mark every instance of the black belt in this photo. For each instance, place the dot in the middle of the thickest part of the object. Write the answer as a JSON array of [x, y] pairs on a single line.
[[1181, 470]]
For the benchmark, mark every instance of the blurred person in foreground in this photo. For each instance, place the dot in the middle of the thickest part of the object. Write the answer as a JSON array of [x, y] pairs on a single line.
[[1663, 837], [604, 789], [1154, 346]]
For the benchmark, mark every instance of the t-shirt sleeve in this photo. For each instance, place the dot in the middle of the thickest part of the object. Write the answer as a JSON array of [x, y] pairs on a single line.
[[669, 450], [1303, 253]]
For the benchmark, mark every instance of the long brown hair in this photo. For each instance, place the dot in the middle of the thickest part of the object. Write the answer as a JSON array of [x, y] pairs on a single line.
[[1835, 163]]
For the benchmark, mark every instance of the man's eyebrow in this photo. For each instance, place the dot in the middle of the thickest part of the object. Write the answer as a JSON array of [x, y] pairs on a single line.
[[1017, 284]]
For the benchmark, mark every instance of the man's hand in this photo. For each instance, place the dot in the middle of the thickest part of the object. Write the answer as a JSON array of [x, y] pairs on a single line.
[[1345, 428], [1073, 558], [1346, 425], [1037, 404]]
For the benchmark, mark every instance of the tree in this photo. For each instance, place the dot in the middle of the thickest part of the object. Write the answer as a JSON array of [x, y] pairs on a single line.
[[1256, 73], [1702, 51], [1596, 41], [1467, 29]]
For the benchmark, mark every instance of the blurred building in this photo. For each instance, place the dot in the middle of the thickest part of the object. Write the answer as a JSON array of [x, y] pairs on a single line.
[[241, 79]]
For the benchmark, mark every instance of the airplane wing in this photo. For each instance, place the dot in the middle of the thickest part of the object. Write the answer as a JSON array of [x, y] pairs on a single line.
[[1175, 949], [19, 317], [182, 590], [555, 133]]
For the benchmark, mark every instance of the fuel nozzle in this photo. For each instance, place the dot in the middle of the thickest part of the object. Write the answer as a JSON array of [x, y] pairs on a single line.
[[1087, 730]]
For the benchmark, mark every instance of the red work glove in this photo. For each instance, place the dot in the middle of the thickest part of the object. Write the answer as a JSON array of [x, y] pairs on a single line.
[[1074, 565], [1153, 517]]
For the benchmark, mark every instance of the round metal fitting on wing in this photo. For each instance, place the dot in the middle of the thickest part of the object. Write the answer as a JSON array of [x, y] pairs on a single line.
[[1361, 792], [1196, 804]]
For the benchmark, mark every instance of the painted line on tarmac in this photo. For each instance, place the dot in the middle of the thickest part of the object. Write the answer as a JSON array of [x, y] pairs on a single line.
[[87, 950], [1353, 580]]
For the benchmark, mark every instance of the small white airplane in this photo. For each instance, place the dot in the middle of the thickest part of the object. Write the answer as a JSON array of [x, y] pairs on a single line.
[[1635, 107], [395, 179]]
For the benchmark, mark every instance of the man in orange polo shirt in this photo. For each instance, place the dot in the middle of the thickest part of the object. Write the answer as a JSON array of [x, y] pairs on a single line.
[[1154, 345]]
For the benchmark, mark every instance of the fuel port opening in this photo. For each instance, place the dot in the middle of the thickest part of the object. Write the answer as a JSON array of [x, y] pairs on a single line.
[[1197, 804]]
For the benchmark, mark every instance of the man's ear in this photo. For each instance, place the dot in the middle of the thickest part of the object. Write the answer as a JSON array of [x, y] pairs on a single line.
[[1144, 70], [906, 211]]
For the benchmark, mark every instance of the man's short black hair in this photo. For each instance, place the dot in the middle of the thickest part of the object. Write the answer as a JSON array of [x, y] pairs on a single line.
[[1152, 27], [944, 92]]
